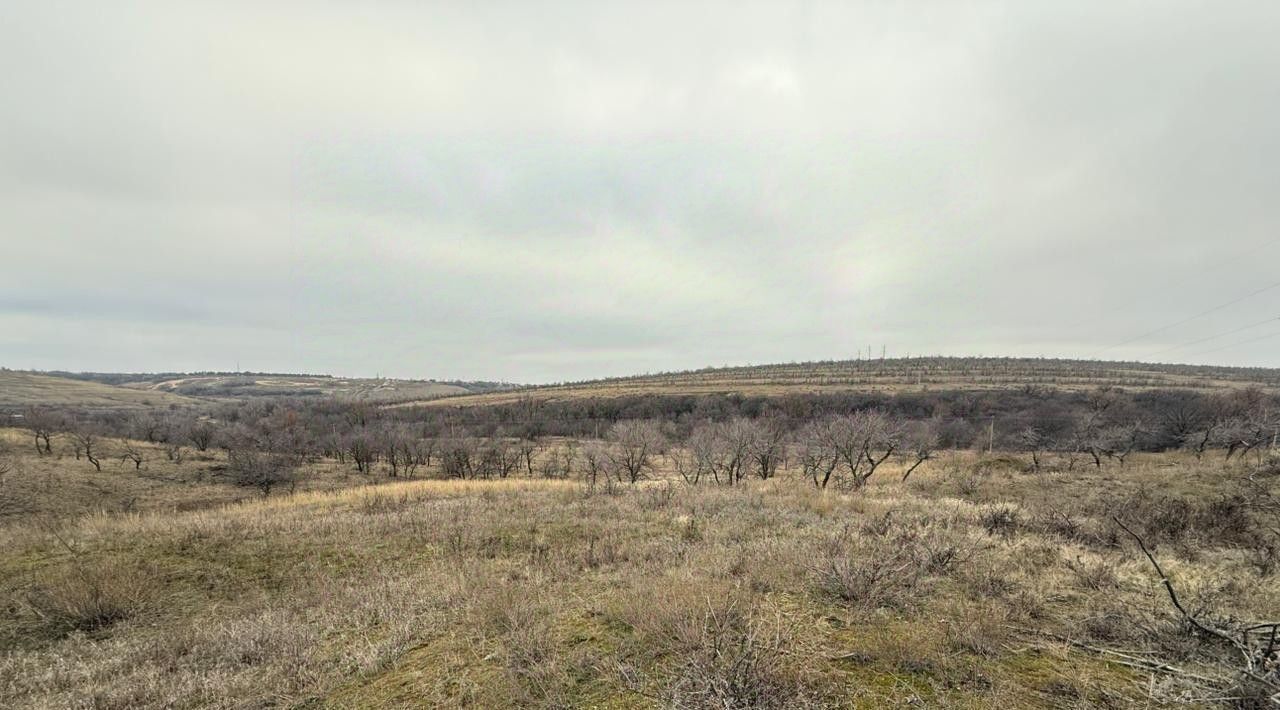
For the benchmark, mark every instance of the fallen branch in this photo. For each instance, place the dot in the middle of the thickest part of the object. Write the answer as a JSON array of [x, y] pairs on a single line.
[[1173, 595]]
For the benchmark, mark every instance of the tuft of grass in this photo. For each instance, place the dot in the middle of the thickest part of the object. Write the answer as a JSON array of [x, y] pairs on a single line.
[[85, 596]]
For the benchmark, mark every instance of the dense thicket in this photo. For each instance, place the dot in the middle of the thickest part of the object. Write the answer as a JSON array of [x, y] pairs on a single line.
[[726, 432]]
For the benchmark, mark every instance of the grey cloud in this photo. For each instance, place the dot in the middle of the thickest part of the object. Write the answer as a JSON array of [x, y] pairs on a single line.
[[565, 190]]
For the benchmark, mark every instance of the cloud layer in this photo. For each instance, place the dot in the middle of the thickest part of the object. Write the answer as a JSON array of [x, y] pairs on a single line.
[[546, 191]]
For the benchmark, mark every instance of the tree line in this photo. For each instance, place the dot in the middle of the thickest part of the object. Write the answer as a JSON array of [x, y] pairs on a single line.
[[842, 440]]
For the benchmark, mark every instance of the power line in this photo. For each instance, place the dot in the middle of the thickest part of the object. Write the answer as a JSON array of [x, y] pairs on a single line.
[[1213, 337], [1231, 262], [1236, 345], [1187, 320]]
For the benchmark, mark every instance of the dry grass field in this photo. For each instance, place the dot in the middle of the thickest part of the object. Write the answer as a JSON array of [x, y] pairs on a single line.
[[21, 389], [894, 376], [367, 389], [975, 584]]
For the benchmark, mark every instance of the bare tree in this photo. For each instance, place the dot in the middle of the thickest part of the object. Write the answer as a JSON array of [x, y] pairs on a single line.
[[360, 447], [1245, 432], [768, 447], [458, 458], [498, 458], [635, 443], [722, 449], [818, 458], [266, 469], [528, 447], [862, 441], [146, 426], [1034, 441], [201, 435], [43, 425], [426, 449], [559, 463], [1120, 440], [400, 449], [133, 452], [1090, 438], [596, 460], [850, 448], [86, 443], [922, 444], [687, 463]]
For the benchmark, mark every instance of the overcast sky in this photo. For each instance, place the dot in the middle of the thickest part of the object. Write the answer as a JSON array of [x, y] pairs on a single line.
[[545, 191]]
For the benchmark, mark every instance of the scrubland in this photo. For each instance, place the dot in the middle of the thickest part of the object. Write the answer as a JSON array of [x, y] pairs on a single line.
[[976, 583]]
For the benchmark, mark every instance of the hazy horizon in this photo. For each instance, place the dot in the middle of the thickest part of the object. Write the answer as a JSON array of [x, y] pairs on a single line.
[[569, 191]]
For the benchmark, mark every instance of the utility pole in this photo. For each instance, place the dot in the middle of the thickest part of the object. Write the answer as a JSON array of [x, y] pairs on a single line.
[[991, 435]]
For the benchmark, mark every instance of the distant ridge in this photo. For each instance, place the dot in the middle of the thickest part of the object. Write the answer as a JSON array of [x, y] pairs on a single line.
[[106, 389], [25, 389], [898, 375]]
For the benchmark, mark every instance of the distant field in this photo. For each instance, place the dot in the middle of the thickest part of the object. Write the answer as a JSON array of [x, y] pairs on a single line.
[[22, 389], [895, 375], [378, 390], [123, 389]]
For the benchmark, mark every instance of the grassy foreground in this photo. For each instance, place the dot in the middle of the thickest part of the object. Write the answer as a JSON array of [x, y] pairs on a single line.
[[975, 584]]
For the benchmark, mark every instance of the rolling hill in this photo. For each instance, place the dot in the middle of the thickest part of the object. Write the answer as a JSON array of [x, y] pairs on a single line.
[[23, 389], [893, 375], [120, 389]]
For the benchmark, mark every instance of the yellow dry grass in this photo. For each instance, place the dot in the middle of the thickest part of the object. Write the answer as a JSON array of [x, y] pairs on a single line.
[[951, 590], [22, 389]]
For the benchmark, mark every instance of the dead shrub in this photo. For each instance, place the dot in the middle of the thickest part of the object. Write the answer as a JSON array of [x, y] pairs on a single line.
[[990, 464], [691, 532], [1093, 574], [1164, 519], [988, 578], [1002, 520], [384, 503], [1051, 521], [602, 550], [658, 497], [86, 595], [1264, 555], [729, 660], [888, 565], [534, 666], [1106, 625], [980, 631], [523, 629], [871, 581]]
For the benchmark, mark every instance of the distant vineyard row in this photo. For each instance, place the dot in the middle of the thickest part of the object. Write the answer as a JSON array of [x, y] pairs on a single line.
[[905, 374]]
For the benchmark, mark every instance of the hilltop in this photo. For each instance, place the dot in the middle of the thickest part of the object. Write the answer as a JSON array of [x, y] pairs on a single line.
[[896, 375]]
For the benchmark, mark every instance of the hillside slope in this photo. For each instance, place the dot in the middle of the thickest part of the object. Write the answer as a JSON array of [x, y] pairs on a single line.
[[248, 385], [24, 389], [239, 386], [896, 375]]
